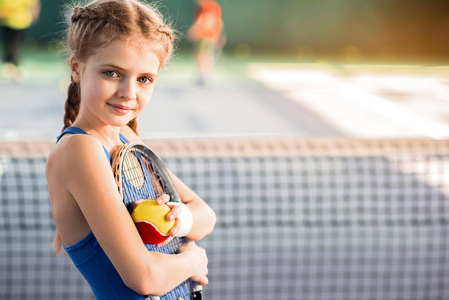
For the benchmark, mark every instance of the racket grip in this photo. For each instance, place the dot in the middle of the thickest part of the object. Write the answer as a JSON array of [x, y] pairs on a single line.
[[197, 291]]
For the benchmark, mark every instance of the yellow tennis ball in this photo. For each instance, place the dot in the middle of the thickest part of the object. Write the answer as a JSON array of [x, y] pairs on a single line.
[[151, 221]]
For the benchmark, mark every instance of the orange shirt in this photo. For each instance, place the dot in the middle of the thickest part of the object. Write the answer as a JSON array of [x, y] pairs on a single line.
[[208, 20]]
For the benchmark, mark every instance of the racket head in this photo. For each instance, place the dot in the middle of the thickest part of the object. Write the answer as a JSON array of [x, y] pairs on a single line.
[[140, 174]]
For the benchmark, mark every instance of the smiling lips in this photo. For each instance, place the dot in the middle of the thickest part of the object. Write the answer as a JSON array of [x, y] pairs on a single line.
[[120, 108]]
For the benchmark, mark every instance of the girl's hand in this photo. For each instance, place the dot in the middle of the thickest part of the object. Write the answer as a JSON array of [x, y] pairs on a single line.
[[172, 215], [198, 258]]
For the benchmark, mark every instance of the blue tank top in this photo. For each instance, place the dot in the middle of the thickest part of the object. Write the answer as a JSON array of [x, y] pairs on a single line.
[[93, 263]]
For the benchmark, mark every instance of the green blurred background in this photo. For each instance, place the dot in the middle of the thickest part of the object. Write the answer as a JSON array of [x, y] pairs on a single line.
[[306, 30]]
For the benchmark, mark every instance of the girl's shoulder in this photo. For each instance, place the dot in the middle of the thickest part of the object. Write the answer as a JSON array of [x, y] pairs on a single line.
[[72, 144], [72, 151]]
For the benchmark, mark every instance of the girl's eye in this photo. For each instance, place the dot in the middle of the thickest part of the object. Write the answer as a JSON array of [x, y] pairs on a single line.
[[145, 80], [111, 73]]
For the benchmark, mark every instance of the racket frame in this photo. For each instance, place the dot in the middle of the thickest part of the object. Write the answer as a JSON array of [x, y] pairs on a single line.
[[162, 174]]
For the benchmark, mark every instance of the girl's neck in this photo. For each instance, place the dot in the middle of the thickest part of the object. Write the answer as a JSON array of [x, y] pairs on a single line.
[[109, 136]]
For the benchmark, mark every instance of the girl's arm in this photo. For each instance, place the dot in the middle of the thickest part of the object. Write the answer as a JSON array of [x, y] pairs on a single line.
[[81, 166]]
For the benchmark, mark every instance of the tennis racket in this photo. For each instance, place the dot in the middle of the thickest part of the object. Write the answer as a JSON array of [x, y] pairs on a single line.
[[140, 174]]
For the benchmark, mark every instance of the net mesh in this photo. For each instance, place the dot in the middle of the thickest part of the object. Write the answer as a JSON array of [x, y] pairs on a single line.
[[297, 219]]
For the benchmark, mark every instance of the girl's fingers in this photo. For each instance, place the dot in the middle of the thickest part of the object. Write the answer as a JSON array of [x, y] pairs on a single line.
[[163, 199], [165, 242], [172, 233], [174, 213], [176, 228]]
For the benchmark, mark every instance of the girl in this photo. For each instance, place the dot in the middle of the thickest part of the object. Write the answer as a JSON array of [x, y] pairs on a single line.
[[117, 48]]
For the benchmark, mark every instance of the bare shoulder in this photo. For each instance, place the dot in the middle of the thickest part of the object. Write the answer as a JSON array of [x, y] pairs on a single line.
[[74, 162], [67, 155]]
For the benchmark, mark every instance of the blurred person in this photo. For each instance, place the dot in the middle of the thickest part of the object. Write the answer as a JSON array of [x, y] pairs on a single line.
[[16, 16], [208, 37]]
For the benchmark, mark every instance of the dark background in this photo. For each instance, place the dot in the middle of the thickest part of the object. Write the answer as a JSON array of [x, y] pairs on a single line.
[[352, 30]]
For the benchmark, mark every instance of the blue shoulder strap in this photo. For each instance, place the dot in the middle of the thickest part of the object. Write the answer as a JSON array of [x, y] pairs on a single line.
[[123, 139], [72, 130], [76, 130]]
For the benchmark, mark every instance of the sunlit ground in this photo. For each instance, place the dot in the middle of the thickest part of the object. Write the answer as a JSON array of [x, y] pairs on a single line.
[[363, 100], [367, 100]]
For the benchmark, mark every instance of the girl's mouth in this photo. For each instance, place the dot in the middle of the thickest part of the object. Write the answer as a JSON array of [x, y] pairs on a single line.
[[120, 108]]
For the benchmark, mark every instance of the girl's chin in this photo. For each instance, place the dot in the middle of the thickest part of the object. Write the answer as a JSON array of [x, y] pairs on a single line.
[[118, 122]]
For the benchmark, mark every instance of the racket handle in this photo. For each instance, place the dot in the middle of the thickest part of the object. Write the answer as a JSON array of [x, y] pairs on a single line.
[[197, 292]]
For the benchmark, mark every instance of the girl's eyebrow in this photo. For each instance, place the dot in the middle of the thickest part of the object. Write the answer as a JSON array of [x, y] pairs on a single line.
[[112, 66]]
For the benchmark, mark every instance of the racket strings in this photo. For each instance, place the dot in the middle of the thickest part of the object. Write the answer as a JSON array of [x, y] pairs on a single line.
[[137, 183], [133, 171], [158, 183]]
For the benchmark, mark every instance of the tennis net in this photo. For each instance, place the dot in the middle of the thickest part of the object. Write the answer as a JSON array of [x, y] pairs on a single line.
[[297, 219]]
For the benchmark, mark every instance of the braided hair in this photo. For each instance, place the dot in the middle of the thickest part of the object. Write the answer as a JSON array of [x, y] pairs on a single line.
[[103, 21]]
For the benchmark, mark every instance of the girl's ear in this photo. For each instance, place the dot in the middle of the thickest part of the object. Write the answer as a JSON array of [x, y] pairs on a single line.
[[75, 68]]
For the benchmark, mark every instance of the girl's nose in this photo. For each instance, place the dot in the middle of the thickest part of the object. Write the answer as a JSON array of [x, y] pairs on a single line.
[[127, 90]]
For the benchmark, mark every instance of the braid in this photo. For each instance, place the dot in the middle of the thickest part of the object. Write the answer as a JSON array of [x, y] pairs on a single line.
[[164, 29], [72, 104], [57, 243], [133, 125], [91, 14]]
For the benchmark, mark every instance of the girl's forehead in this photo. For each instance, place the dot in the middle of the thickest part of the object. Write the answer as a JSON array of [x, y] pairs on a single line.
[[134, 46], [127, 52]]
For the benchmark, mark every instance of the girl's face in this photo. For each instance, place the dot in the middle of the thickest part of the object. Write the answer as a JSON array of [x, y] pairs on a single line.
[[116, 82]]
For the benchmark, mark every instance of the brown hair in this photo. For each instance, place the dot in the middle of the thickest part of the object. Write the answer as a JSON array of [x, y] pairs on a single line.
[[99, 23]]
